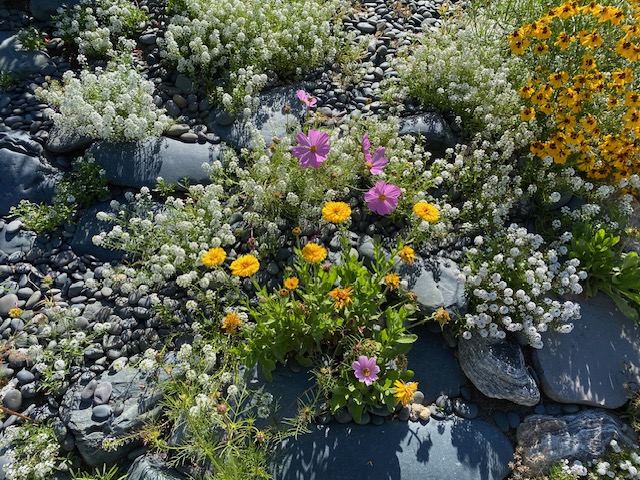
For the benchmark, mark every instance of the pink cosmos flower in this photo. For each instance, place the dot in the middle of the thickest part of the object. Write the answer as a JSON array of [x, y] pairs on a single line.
[[313, 150], [366, 369], [307, 99], [382, 198], [376, 163]]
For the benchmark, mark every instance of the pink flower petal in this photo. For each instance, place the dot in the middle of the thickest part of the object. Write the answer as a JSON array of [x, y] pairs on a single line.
[[302, 139]]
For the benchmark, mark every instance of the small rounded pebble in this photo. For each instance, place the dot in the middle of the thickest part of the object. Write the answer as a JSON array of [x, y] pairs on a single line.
[[12, 399], [514, 419], [88, 390], [418, 397], [425, 414], [102, 393], [342, 416], [364, 419], [553, 409], [539, 409], [501, 420], [25, 376], [101, 412], [571, 408], [403, 415]]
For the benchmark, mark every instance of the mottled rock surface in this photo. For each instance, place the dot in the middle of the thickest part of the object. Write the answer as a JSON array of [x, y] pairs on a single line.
[[152, 468], [583, 436], [497, 368]]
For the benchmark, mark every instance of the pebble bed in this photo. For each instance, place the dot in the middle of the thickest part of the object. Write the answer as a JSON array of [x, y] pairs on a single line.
[[133, 327]]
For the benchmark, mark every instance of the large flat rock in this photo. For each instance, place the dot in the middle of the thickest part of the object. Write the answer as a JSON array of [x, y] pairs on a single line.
[[22, 63], [24, 176], [455, 448], [591, 364], [139, 164]]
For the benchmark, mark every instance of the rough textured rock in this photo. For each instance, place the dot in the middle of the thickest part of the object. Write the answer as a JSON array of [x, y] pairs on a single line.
[[24, 176], [456, 448], [17, 61], [497, 368], [141, 163], [270, 118], [582, 436], [20, 241], [431, 127], [591, 368], [435, 284], [139, 395], [152, 468]]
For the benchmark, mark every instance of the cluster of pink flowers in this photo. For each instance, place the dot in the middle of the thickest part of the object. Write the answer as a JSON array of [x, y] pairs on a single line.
[[313, 149]]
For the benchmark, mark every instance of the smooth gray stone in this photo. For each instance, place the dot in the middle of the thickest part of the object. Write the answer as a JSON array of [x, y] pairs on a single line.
[[465, 409], [456, 448], [584, 368], [33, 300], [62, 140], [7, 302], [366, 27], [431, 127], [149, 467], [88, 390], [20, 62], [102, 393], [501, 420], [497, 368], [25, 376], [12, 399], [101, 412], [584, 436], [13, 226], [139, 164], [24, 176]]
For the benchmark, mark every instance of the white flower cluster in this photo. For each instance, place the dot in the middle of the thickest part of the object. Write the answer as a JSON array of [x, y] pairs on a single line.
[[168, 239], [116, 104], [458, 68], [93, 24], [32, 452], [227, 36], [510, 283]]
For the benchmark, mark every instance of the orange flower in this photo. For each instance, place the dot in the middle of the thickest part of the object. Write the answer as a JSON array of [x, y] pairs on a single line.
[[215, 256], [231, 322], [314, 253], [291, 283], [245, 266], [392, 281], [404, 391], [407, 254], [426, 211], [341, 296]]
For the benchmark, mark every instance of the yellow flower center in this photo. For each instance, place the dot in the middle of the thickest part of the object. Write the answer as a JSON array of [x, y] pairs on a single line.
[[366, 372], [382, 197], [313, 148]]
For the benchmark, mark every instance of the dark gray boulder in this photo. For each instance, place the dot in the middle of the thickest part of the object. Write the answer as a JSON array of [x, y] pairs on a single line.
[[584, 436], [24, 175], [432, 128], [20, 62], [138, 394], [592, 364], [269, 118], [149, 467], [497, 368], [139, 164], [456, 448], [64, 140]]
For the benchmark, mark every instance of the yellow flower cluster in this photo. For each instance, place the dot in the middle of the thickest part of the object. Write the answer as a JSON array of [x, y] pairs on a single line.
[[583, 56]]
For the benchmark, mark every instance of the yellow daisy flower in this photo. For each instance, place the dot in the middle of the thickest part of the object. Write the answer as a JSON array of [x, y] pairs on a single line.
[[336, 212], [314, 253], [245, 266], [426, 211], [215, 256], [404, 391], [291, 283]]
